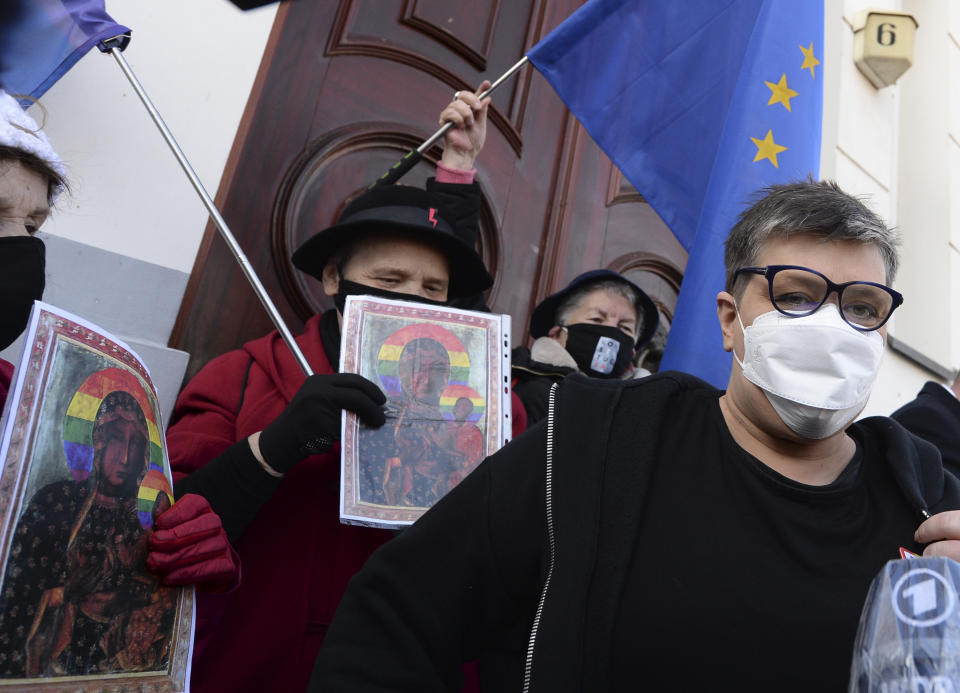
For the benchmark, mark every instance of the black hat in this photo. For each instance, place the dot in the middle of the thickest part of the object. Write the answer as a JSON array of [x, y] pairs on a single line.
[[416, 212], [545, 314]]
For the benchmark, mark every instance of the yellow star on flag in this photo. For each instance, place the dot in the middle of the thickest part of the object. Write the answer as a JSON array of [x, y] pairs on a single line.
[[808, 60], [768, 149], [780, 92]]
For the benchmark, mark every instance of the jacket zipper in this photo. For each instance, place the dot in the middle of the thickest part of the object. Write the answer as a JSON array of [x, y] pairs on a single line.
[[551, 416]]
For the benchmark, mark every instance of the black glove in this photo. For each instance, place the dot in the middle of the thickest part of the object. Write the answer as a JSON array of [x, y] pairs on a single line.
[[311, 422]]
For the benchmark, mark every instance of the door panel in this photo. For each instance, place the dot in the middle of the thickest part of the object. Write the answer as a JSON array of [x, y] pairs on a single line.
[[347, 88]]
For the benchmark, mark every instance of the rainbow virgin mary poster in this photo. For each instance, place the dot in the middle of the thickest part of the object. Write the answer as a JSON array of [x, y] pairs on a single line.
[[445, 375], [84, 475]]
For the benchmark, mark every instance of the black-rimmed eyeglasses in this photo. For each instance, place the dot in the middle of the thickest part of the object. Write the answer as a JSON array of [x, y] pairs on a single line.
[[797, 291]]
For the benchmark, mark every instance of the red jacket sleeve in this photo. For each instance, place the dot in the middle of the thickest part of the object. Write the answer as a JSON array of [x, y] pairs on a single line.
[[518, 413], [6, 376], [204, 418]]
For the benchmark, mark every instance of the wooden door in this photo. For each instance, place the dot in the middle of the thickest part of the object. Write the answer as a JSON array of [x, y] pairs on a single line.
[[346, 88]]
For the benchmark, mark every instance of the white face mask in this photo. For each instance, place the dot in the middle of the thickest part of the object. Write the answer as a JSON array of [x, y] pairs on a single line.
[[815, 370]]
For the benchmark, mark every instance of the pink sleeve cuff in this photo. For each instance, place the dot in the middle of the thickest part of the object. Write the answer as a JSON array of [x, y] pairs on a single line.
[[445, 174]]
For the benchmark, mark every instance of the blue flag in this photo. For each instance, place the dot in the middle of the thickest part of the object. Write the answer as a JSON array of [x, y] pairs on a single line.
[[700, 103], [41, 39]]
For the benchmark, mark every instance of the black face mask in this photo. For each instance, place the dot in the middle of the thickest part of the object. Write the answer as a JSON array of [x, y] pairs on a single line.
[[349, 288], [601, 351], [22, 276]]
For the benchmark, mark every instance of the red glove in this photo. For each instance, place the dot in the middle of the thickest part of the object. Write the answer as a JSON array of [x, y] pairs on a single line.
[[189, 547]]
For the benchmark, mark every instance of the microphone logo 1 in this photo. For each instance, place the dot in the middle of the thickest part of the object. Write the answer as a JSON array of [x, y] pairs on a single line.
[[909, 635], [923, 598]]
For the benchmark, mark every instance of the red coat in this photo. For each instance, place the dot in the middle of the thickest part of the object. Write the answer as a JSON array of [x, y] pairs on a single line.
[[6, 375], [297, 557]]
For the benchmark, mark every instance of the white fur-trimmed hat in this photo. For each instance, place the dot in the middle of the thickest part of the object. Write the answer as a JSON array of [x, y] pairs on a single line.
[[20, 131]]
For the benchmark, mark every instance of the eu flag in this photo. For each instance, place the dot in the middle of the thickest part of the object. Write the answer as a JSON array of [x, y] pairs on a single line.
[[700, 103], [41, 39]]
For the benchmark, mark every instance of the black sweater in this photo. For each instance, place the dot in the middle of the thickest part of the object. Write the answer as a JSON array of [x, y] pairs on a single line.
[[467, 579]]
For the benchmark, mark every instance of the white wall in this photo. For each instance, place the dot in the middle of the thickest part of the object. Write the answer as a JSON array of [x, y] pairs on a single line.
[[197, 59], [891, 145], [930, 171], [951, 38]]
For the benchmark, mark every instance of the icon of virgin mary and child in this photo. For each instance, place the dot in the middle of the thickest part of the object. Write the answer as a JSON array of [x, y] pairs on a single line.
[[430, 440], [76, 598]]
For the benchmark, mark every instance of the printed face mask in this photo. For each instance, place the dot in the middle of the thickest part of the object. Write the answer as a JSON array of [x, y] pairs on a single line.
[[815, 370], [349, 288], [601, 351], [22, 269]]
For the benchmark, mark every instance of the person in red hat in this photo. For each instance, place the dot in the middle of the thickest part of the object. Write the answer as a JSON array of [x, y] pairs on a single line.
[[258, 439], [594, 326]]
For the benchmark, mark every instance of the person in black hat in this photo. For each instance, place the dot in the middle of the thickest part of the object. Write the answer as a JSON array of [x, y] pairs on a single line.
[[258, 440], [594, 326], [396, 242]]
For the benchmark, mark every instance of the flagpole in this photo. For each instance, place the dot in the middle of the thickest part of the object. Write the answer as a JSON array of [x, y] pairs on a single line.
[[218, 219], [413, 157]]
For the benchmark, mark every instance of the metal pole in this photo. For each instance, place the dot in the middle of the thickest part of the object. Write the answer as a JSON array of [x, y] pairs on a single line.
[[218, 219], [429, 142], [411, 158]]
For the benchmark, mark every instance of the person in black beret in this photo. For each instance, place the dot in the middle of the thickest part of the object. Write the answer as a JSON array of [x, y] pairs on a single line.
[[594, 326], [258, 439]]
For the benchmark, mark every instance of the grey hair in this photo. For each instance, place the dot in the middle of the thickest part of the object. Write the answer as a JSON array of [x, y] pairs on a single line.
[[573, 301], [30, 161], [813, 207]]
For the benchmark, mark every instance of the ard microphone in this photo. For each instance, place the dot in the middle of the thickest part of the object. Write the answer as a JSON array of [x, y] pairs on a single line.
[[909, 635]]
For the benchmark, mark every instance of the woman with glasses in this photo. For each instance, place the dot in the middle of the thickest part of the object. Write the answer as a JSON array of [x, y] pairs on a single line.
[[662, 534]]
